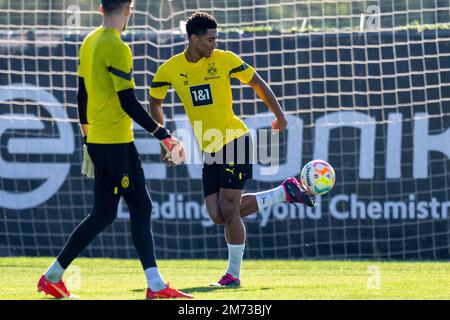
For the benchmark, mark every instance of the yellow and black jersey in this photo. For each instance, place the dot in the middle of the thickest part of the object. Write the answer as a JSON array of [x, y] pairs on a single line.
[[205, 91], [106, 65]]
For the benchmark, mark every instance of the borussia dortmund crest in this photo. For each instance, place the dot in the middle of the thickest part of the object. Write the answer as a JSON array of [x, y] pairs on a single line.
[[212, 70], [125, 182]]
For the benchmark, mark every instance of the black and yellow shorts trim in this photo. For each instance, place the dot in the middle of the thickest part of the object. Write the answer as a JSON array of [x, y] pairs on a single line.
[[117, 167], [232, 171]]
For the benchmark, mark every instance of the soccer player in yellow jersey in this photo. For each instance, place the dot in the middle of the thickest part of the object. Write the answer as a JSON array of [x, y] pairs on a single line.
[[201, 77], [107, 105]]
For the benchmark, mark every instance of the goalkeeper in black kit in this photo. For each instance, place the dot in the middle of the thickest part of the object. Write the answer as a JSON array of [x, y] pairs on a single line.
[[107, 105]]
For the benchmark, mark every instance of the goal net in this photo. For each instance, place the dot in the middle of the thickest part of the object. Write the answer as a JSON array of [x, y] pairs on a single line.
[[365, 86]]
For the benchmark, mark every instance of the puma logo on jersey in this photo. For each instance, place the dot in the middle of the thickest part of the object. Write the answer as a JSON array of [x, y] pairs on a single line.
[[230, 170], [186, 82]]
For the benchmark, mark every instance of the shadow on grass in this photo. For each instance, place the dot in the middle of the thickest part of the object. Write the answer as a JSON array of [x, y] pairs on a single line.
[[209, 289]]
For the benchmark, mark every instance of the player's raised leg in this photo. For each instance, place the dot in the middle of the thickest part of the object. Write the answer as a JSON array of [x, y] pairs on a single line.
[[289, 191]]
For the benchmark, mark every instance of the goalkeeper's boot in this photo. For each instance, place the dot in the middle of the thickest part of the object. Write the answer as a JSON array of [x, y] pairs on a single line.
[[227, 281], [167, 293], [296, 194], [57, 289]]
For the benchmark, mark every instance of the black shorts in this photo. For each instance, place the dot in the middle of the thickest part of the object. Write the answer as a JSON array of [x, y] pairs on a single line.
[[232, 171], [117, 167]]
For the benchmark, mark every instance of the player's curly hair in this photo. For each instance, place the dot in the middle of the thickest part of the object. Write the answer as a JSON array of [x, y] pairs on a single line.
[[110, 6], [199, 23]]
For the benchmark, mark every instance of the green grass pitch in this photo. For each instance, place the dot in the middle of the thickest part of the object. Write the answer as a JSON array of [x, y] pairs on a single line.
[[105, 279]]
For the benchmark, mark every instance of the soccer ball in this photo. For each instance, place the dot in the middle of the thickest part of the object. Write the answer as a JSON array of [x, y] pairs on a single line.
[[317, 177]]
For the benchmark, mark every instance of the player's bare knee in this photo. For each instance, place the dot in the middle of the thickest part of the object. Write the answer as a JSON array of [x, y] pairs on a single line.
[[229, 209]]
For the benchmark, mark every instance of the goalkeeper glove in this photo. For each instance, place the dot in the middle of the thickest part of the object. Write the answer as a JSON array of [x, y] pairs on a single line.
[[87, 168], [174, 151], [171, 147]]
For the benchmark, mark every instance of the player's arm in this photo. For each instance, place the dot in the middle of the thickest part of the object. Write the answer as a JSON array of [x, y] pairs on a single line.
[[156, 110], [120, 67], [134, 109], [82, 106], [87, 167], [158, 90], [247, 75], [265, 93], [158, 114], [119, 63], [82, 97], [173, 150]]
